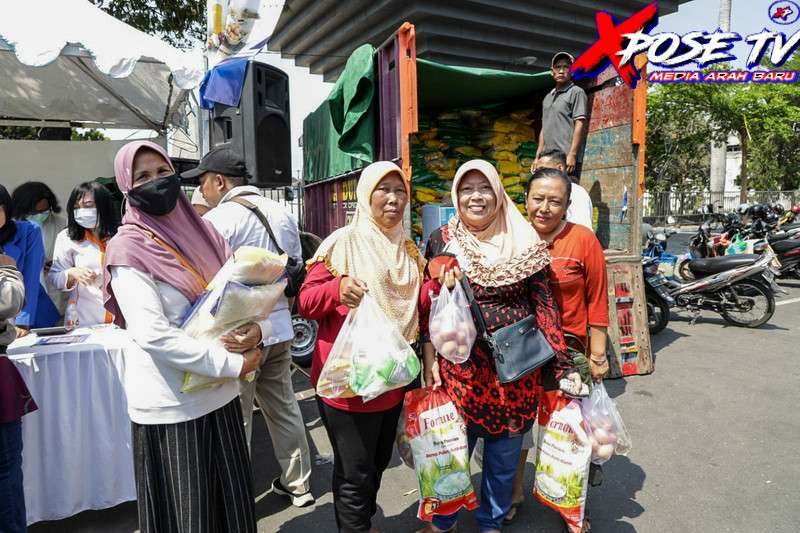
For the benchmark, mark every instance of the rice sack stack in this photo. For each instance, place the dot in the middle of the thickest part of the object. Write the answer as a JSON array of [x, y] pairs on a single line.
[[246, 289], [438, 439], [450, 138]]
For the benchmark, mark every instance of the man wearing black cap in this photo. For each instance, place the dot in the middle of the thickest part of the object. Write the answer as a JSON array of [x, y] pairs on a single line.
[[564, 115], [223, 183]]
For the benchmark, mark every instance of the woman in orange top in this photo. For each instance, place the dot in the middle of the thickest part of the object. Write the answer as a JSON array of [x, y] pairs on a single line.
[[578, 280]]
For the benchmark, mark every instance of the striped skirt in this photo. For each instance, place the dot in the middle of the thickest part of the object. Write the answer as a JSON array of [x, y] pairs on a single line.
[[195, 477]]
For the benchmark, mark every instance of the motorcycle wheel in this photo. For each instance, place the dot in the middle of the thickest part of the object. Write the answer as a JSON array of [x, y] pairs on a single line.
[[758, 299], [305, 338], [657, 312]]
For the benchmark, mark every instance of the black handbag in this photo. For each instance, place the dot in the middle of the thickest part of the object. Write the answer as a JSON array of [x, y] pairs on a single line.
[[517, 349], [295, 270]]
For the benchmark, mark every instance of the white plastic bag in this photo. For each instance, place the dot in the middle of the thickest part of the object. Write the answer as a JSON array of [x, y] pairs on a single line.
[[368, 358], [244, 290], [607, 432], [452, 329]]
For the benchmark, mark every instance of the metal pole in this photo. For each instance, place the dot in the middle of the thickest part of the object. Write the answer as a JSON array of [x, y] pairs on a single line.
[[719, 151]]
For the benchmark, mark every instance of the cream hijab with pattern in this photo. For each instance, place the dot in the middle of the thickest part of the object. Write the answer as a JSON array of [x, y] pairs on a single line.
[[385, 260], [507, 249]]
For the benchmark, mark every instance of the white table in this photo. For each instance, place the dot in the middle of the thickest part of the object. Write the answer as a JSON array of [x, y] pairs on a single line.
[[77, 452]]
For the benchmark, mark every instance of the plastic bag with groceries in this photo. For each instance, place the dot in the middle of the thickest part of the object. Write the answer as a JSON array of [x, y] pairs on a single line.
[[369, 356], [452, 329]]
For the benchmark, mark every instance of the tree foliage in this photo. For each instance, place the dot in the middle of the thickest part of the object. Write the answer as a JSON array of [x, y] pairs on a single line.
[[763, 115], [179, 22], [677, 155], [29, 133]]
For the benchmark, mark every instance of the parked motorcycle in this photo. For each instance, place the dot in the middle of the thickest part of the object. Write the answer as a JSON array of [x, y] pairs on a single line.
[[766, 236], [789, 216], [738, 287]]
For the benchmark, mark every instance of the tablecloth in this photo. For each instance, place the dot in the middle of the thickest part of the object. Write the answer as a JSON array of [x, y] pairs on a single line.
[[77, 452]]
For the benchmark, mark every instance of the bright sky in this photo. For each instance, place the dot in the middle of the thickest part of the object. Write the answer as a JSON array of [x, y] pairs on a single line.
[[747, 17]]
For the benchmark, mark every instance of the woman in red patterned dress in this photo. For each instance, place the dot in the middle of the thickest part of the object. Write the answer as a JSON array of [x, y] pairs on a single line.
[[506, 265]]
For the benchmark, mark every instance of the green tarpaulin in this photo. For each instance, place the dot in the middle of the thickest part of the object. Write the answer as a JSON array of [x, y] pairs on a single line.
[[450, 86], [340, 135], [322, 157]]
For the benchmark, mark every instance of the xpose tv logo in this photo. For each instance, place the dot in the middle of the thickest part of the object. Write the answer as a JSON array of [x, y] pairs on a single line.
[[619, 43]]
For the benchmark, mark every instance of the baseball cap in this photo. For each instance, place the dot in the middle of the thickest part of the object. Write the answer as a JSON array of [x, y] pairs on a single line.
[[221, 160], [560, 55]]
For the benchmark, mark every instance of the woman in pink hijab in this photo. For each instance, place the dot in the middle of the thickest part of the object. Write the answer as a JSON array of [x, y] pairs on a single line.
[[191, 460]]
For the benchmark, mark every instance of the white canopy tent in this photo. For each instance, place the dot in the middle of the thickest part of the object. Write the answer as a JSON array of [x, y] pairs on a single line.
[[68, 63]]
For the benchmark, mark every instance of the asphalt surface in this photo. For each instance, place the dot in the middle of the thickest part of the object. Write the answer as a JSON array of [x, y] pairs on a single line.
[[714, 430]]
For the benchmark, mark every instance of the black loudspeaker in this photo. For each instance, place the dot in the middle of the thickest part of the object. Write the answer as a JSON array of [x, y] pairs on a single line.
[[259, 127]]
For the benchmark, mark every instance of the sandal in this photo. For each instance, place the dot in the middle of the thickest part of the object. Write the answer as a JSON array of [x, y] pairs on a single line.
[[512, 513]]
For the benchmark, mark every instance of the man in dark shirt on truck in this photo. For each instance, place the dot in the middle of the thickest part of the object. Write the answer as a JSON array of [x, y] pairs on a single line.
[[564, 116]]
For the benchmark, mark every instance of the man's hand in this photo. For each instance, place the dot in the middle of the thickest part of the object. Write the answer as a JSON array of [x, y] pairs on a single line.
[[572, 161], [243, 338], [81, 275], [252, 360], [21, 332], [351, 291], [7, 261]]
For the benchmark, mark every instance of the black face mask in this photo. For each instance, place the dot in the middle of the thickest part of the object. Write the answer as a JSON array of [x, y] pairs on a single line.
[[157, 197]]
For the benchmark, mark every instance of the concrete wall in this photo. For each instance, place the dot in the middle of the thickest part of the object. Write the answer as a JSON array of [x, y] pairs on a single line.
[[60, 164]]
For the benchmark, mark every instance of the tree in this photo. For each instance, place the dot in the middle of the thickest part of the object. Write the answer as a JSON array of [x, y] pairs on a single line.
[[761, 114], [775, 158], [677, 144], [28, 133], [179, 22]]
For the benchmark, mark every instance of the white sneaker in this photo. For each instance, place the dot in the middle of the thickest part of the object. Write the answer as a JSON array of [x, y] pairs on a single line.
[[298, 500]]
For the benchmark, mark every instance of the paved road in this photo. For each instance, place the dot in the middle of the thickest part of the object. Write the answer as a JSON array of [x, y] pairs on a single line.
[[715, 433]]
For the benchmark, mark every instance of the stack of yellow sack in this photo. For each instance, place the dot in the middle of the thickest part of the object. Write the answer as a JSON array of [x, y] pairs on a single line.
[[450, 138]]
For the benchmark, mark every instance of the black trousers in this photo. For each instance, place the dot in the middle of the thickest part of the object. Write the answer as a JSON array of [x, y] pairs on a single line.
[[362, 448], [195, 476]]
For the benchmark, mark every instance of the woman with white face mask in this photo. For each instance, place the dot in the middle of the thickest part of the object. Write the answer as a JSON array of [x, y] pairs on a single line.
[[79, 249]]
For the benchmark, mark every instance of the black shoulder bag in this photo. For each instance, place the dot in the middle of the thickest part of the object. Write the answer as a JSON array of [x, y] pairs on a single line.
[[295, 270], [518, 349]]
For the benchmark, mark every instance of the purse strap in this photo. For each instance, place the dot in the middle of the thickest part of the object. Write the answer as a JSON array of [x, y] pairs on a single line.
[[477, 314], [178, 256], [257, 212]]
